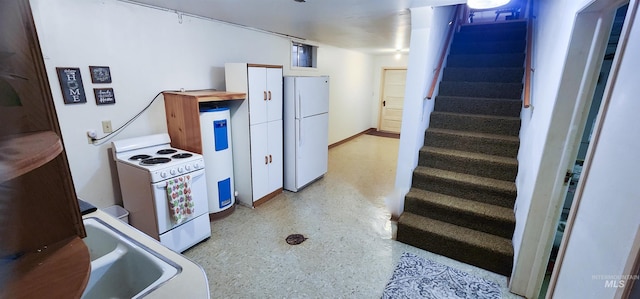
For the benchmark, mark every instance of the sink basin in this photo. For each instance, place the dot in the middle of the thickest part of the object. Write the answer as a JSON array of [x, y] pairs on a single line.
[[122, 267]]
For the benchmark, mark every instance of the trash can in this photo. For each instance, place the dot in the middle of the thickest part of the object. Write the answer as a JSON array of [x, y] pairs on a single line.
[[118, 212]]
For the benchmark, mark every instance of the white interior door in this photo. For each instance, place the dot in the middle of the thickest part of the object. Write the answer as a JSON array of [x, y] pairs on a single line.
[[393, 83]]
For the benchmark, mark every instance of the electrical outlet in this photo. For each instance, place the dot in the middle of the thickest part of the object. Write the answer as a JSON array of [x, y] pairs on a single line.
[[91, 136], [106, 126]]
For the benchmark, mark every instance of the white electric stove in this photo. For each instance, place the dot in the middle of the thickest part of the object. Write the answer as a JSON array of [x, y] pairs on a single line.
[[145, 166]]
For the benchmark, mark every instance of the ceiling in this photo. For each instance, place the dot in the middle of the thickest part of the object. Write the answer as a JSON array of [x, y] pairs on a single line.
[[373, 26]]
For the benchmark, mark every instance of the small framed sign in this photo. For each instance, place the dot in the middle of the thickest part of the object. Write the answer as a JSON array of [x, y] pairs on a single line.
[[71, 85], [100, 74], [104, 96]]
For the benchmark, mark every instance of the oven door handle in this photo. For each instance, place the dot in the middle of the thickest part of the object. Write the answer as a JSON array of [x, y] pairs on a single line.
[[194, 175]]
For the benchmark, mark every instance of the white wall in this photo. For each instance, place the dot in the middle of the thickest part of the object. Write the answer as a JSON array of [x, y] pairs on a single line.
[[554, 25], [542, 146], [380, 62], [607, 219], [351, 91], [148, 51], [428, 34]]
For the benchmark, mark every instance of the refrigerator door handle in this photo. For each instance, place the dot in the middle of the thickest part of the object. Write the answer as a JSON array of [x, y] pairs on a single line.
[[299, 106], [300, 119], [300, 132]]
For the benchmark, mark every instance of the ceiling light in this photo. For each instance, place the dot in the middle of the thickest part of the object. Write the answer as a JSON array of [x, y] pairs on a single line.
[[484, 4], [300, 1]]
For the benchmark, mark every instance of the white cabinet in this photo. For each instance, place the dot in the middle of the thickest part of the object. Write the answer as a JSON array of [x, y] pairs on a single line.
[[256, 131], [264, 94], [275, 154], [266, 158]]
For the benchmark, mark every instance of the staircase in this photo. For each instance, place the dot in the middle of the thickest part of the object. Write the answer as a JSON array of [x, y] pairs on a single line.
[[461, 201]]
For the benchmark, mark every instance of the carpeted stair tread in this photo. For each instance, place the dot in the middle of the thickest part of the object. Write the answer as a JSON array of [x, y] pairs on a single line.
[[487, 74], [492, 35], [472, 214], [473, 105], [461, 46], [504, 138], [477, 248], [483, 116], [490, 166], [502, 125], [478, 135], [486, 60], [467, 179], [500, 193], [481, 28], [477, 164], [471, 155], [491, 144], [494, 90]]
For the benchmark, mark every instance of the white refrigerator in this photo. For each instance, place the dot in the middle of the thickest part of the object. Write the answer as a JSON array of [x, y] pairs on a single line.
[[306, 130]]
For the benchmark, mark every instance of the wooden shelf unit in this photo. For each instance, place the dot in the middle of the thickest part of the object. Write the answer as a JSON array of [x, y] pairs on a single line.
[[183, 115], [60, 270], [25, 152], [42, 254]]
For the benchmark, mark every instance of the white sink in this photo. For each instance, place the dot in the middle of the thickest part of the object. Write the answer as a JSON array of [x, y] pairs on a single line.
[[122, 267]]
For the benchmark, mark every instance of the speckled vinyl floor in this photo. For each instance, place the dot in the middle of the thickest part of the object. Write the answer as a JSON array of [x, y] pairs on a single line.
[[349, 252]]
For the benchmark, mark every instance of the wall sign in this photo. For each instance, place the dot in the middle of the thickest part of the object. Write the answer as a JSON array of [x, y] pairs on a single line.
[[100, 74], [71, 85], [104, 96]]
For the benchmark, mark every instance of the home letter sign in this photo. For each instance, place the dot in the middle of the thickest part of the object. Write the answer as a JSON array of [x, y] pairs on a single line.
[[71, 85]]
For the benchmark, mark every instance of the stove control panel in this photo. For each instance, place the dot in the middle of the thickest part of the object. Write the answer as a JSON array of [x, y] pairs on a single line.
[[176, 170]]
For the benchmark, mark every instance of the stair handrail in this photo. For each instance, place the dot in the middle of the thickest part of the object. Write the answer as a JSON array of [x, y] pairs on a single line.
[[526, 101], [454, 25]]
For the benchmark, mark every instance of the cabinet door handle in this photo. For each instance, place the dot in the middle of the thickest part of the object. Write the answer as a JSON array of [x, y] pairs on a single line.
[[266, 160], [270, 159], [265, 95], [269, 97]]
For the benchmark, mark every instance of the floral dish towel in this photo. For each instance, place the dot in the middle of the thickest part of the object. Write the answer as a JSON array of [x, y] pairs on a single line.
[[180, 201]]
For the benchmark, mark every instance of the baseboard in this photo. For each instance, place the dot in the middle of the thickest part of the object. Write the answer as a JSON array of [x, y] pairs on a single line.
[[351, 138], [383, 134], [267, 197]]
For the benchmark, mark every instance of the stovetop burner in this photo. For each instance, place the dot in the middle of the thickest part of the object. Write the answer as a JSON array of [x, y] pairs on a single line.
[[139, 157], [166, 151], [153, 161], [181, 156]]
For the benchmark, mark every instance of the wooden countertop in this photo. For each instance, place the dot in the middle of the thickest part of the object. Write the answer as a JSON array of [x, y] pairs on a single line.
[[210, 95]]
